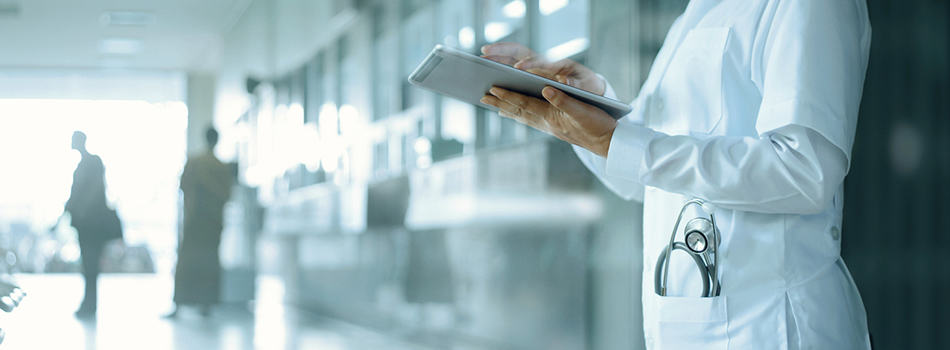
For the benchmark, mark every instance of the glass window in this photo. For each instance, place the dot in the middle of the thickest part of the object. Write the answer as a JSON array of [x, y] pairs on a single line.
[[457, 125], [385, 73], [563, 28], [380, 158], [343, 48], [395, 152], [457, 27], [282, 91], [504, 20], [329, 79], [298, 91], [458, 121], [417, 41], [314, 91], [409, 7]]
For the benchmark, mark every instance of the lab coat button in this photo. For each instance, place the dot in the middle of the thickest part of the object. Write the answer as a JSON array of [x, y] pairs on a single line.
[[835, 233]]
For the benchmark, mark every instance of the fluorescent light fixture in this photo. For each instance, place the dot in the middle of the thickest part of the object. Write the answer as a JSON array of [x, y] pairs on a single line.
[[496, 30], [126, 18], [548, 7], [567, 49], [514, 9], [467, 37], [120, 46]]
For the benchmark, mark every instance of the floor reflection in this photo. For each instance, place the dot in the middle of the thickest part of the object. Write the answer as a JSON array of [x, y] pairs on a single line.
[[130, 310]]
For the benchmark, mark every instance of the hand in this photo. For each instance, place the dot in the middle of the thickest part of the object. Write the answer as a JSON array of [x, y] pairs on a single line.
[[558, 114], [564, 71]]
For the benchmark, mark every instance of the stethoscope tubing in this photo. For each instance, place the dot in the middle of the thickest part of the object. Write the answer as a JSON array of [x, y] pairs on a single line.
[[708, 269], [660, 288]]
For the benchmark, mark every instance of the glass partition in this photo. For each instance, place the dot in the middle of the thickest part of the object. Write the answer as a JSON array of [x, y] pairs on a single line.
[[386, 82], [314, 89], [563, 28], [504, 20], [417, 41]]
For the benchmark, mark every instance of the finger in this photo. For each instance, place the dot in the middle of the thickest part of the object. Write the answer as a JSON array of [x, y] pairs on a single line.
[[532, 62], [506, 60], [524, 103], [543, 68], [514, 50], [504, 108], [543, 73], [566, 103], [508, 110], [535, 62], [491, 101]]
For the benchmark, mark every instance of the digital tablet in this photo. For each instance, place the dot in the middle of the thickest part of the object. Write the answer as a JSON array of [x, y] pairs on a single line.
[[468, 77]]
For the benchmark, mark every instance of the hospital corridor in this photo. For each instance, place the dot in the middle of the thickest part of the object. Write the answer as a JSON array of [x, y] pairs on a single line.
[[474, 174]]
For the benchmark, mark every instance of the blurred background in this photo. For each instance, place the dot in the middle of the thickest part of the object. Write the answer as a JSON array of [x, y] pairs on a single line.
[[370, 214]]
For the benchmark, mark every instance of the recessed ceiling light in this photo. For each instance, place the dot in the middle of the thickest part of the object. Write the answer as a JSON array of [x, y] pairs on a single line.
[[120, 46], [126, 18], [9, 10]]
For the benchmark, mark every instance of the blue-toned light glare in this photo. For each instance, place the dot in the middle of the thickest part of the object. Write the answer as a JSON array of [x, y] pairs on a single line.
[[548, 7], [494, 31], [514, 9], [467, 37]]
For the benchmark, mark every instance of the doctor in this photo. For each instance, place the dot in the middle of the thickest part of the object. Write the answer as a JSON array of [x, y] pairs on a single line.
[[751, 105]]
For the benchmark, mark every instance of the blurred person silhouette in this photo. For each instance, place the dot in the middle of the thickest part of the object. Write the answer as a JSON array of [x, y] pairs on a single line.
[[206, 186], [94, 221]]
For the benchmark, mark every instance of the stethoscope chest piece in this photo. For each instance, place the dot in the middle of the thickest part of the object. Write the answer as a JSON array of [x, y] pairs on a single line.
[[701, 241], [697, 231]]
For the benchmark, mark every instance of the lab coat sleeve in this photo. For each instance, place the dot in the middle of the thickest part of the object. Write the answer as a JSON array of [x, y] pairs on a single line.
[[793, 170], [810, 62], [812, 58], [624, 187]]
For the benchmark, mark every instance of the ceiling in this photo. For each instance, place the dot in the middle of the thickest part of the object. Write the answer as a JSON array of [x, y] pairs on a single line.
[[172, 34]]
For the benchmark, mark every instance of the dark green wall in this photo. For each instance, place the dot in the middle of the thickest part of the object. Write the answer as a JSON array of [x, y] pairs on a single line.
[[895, 223]]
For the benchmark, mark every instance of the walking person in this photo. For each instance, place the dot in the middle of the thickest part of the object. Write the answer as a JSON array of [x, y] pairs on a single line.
[[94, 221]]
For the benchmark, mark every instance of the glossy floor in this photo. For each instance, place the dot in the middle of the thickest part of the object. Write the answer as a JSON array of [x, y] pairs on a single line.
[[130, 313]]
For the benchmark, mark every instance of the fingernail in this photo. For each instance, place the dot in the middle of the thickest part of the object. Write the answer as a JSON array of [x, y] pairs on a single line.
[[484, 100], [548, 92], [493, 91]]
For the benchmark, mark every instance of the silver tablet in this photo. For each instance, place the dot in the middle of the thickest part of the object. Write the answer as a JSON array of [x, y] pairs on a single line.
[[468, 77]]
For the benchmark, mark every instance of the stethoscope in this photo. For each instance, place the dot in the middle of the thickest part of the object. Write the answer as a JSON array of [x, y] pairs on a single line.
[[701, 242]]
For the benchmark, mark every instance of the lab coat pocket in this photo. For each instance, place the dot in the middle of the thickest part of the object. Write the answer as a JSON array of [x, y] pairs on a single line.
[[691, 89], [693, 323]]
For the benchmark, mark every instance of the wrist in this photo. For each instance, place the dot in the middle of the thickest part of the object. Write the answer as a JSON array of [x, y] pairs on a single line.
[[604, 144]]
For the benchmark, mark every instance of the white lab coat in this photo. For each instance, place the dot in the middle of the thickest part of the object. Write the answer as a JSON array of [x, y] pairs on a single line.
[[750, 105]]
